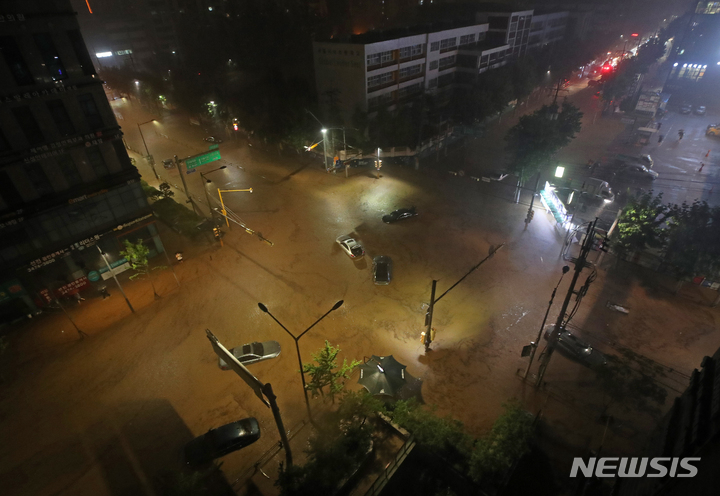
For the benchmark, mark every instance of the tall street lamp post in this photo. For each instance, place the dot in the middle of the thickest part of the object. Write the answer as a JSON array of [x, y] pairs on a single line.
[[147, 153], [324, 132], [207, 197], [297, 345]]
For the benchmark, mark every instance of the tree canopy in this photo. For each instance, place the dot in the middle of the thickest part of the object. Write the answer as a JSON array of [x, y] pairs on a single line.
[[534, 140]]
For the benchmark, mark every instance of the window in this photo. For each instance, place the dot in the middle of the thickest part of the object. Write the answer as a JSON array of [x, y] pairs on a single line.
[[50, 56], [433, 65], [97, 162], [38, 178], [87, 103], [410, 90], [411, 51], [61, 117], [386, 57], [434, 46], [9, 194], [467, 40], [15, 61], [447, 62], [448, 44], [29, 125], [380, 79], [69, 170], [81, 52], [410, 71]]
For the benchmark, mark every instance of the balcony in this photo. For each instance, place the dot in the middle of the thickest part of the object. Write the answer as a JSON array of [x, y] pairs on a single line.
[[379, 87], [410, 59], [448, 49]]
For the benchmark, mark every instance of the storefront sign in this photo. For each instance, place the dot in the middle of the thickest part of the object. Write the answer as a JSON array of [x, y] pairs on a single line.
[[12, 17], [47, 259], [29, 95], [60, 147], [11, 222], [132, 222], [10, 289], [117, 267], [94, 276], [73, 287], [85, 197]]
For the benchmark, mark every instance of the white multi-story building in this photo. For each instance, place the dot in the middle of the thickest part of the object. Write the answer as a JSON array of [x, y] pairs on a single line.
[[378, 69]]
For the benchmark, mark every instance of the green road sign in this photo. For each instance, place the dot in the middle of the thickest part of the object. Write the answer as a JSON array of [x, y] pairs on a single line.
[[202, 159], [214, 147]]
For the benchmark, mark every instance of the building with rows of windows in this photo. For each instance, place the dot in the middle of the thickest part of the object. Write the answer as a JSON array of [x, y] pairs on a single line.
[[384, 69], [66, 181]]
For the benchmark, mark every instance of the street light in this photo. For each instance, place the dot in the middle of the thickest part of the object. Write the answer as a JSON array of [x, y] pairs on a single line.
[[147, 153], [208, 181], [297, 346], [324, 132]]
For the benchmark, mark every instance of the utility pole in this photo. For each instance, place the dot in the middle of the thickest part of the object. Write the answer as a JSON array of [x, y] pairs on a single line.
[[429, 317], [531, 212], [187, 193], [559, 324]]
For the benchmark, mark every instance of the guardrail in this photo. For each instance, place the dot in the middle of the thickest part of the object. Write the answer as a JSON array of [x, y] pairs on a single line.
[[392, 467]]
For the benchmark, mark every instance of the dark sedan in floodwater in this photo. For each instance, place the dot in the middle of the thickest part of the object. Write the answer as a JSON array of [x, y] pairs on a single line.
[[399, 214]]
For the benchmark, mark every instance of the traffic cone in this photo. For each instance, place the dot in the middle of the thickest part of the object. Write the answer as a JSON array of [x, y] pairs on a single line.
[[707, 154]]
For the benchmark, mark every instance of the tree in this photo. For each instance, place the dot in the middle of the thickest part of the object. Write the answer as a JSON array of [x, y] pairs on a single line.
[[640, 225], [534, 140], [693, 234], [137, 256], [505, 444], [630, 379], [164, 191], [326, 373]]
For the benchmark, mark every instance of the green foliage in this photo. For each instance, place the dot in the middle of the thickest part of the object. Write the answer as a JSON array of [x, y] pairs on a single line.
[[137, 256], [175, 215], [336, 450], [693, 240], [534, 140], [326, 373], [505, 444], [640, 225], [443, 435], [163, 191], [630, 379]]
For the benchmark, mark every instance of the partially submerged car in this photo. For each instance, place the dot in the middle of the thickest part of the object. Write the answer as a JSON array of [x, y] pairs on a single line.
[[252, 353], [399, 214], [571, 346], [221, 441], [351, 247], [382, 270]]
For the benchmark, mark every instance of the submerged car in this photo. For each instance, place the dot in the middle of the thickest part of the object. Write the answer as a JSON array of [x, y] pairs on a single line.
[[212, 139], [221, 441], [700, 110], [686, 109], [382, 270], [574, 348], [252, 353], [399, 214], [637, 171], [350, 246]]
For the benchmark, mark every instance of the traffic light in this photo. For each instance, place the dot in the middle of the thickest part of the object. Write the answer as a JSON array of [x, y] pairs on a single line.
[[235, 126], [217, 233]]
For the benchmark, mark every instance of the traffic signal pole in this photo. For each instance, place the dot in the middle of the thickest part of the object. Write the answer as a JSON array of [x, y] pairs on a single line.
[[428, 330], [187, 193], [559, 324]]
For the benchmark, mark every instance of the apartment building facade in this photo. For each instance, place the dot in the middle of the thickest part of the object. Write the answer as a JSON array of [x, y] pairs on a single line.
[[67, 185], [385, 69]]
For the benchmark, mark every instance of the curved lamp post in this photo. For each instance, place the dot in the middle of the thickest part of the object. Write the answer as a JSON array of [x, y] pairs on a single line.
[[208, 181], [147, 153], [297, 346]]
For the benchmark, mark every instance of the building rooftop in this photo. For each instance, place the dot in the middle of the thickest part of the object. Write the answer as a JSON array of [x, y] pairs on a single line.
[[377, 36]]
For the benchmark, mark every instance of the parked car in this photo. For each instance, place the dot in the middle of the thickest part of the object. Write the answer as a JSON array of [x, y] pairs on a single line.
[[574, 348], [686, 109], [221, 441], [700, 110], [399, 214], [212, 139], [594, 82], [713, 130], [252, 353], [382, 270], [636, 171], [350, 246], [646, 160]]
